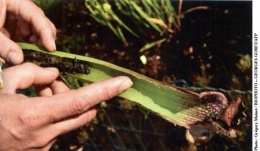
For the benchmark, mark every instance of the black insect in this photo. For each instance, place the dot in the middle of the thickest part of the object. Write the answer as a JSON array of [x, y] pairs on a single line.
[[80, 67], [73, 66]]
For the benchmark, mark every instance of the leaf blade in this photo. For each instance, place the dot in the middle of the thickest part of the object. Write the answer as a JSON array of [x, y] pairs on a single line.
[[176, 105]]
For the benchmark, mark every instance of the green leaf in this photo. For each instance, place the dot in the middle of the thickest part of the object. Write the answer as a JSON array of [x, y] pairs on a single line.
[[145, 16], [151, 44], [114, 16], [104, 14], [176, 105]]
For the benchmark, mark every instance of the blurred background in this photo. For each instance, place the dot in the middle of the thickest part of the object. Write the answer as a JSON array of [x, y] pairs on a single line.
[[196, 45]]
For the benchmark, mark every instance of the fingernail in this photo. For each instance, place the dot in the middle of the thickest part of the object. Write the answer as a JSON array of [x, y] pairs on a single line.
[[12, 57], [53, 44], [51, 68], [125, 85]]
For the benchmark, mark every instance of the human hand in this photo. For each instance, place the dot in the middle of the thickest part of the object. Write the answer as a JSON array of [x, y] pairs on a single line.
[[23, 21], [34, 123]]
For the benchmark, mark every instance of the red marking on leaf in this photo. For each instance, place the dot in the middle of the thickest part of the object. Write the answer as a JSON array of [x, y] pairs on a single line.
[[210, 104], [213, 102], [222, 114], [230, 112]]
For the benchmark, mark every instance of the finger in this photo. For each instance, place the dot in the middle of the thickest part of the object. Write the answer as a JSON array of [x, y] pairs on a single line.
[[39, 38], [74, 122], [2, 13], [22, 32], [10, 51], [55, 87], [24, 28], [41, 24], [49, 145], [68, 124], [58, 86], [43, 90], [75, 102], [25, 75], [19, 30]]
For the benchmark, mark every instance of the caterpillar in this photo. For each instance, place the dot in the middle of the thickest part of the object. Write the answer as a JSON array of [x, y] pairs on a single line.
[[73, 66]]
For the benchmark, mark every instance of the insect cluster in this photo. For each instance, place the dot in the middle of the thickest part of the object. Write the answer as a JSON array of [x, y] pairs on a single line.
[[63, 64]]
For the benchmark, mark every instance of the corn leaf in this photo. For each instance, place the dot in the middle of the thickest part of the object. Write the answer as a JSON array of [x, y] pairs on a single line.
[[176, 105]]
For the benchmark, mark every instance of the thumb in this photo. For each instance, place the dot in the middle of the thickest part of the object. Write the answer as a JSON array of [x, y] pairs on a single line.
[[10, 51], [27, 74]]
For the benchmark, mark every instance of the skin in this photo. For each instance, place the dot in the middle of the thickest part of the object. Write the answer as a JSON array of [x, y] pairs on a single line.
[[19, 24], [34, 123]]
